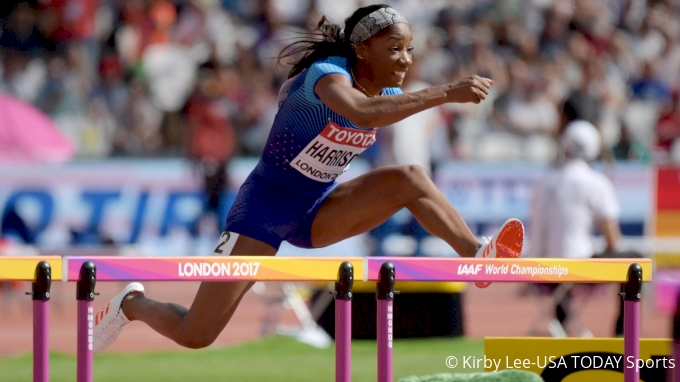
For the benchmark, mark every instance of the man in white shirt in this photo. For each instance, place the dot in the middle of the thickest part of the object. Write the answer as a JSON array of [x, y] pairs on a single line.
[[571, 201]]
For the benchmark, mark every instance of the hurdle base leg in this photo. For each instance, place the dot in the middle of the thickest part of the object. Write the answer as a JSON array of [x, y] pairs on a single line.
[[385, 317], [343, 323], [41, 317], [85, 296], [631, 295]]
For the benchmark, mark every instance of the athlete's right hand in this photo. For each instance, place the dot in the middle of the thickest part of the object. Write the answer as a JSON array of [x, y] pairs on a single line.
[[470, 89]]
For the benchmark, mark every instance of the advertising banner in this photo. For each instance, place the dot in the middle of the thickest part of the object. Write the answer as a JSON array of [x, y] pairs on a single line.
[[155, 205]]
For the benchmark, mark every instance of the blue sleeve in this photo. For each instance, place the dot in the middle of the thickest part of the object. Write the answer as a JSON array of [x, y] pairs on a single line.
[[319, 69], [392, 91]]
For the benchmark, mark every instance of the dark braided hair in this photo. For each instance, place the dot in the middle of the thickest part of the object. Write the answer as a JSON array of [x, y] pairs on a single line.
[[326, 42]]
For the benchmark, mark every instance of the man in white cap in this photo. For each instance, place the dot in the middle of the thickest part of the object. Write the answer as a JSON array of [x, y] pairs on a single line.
[[570, 202]]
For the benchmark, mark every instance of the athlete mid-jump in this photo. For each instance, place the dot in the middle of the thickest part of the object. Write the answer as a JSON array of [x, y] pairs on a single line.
[[346, 85]]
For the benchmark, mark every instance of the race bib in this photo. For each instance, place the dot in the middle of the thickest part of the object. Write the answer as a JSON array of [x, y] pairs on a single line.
[[328, 155]]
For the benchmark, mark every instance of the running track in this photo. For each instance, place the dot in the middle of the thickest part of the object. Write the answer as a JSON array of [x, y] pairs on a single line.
[[482, 308]]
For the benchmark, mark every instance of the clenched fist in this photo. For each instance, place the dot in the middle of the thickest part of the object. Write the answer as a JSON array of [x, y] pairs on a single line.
[[470, 89]]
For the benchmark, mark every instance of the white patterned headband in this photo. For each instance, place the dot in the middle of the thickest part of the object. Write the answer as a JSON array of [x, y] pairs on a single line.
[[373, 23]]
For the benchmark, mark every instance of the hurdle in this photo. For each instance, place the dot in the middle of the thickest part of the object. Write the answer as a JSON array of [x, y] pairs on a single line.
[[631, 272], [88, 271], [39, 270]]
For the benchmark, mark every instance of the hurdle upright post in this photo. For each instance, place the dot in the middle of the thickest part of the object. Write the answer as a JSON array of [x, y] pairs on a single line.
[[343, 323], [676, 341], [631, 295], [85, 296], [41, 313], [385, 314]]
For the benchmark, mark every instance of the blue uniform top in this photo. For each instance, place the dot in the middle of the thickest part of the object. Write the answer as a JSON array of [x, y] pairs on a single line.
[[309, 144], [308, 148]]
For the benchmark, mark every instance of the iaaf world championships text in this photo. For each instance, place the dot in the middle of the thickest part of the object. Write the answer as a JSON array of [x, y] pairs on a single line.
[[515, 269]]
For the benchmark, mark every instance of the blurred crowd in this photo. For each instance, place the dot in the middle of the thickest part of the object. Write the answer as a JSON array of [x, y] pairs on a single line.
[[199, 78]]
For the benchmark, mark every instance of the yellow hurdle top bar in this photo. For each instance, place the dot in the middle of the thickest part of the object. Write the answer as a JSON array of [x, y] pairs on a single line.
[[215, 268], [533, 270], [22, 268]]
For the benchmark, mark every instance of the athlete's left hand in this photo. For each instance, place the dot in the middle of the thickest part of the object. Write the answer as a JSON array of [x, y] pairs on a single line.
[[470, 89]]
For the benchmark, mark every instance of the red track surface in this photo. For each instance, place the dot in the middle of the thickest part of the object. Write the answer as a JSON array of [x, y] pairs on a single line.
[[482, 309]]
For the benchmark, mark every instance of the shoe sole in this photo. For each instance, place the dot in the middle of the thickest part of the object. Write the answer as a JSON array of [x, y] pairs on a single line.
[[510, 240], [509, 244]]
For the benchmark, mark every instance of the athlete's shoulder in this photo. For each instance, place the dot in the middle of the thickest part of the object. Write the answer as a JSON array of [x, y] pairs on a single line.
[[322, 68], [329, 65], [339, 61]]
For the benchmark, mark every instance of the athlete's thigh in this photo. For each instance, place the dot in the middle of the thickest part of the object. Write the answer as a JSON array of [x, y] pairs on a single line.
[[216, 302], [358, 205]]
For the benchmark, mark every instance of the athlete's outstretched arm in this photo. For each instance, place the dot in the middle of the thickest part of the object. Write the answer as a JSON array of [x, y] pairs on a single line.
[[336, 91]]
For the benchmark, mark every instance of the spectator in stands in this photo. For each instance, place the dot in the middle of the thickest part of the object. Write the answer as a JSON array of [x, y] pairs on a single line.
[[648, 87], [597, 47], [20, 32], [630, 148], [668, 126], [212, 139], [578, 106]]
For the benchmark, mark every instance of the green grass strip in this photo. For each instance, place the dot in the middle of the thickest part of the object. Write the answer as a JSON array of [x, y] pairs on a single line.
[[268, 359]]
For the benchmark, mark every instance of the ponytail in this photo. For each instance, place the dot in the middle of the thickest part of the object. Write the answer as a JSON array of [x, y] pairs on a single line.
[[329, 40], [326, 42]]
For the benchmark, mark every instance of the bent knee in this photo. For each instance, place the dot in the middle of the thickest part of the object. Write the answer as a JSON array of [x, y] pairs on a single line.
[[408, 183], [412, 177], [197, 341]]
